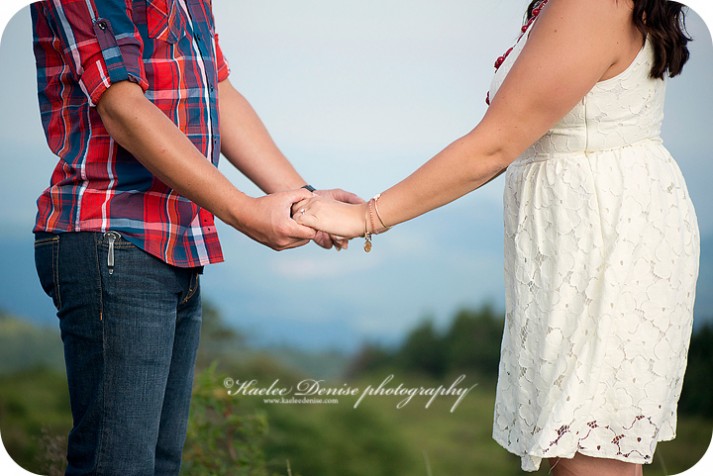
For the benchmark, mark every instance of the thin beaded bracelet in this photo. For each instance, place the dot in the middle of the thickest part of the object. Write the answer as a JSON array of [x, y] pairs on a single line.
[[369, 220], [376, 210]]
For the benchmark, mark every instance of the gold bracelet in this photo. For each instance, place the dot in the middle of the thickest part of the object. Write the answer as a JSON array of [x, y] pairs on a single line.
[[371, 207], [367, 234], [376, 210], [369, 220]]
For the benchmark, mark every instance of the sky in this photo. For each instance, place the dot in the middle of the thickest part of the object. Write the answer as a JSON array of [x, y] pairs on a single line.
[[357, 95]]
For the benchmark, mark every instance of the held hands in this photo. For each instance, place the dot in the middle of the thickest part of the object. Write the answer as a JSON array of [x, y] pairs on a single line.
[[346, 220], [324, 239], [270, 223]]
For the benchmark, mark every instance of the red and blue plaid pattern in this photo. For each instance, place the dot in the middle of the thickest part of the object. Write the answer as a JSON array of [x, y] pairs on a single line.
[[170, 49]]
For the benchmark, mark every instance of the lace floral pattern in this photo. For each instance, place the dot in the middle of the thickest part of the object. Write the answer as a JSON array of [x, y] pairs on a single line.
[[601, 261]]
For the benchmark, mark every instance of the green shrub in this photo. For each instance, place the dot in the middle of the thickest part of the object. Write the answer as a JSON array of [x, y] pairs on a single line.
[[222, 438]]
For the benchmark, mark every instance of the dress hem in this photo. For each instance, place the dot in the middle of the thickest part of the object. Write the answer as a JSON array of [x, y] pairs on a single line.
[[536, 459]]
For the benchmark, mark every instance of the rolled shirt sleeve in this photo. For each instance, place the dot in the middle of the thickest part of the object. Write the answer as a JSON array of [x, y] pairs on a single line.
[[169, 48], [101, 43], [222, 65]]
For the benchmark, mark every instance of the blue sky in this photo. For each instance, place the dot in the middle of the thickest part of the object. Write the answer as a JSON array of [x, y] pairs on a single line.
[[357, 94]]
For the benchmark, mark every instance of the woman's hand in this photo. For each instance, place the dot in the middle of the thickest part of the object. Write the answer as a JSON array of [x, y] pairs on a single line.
[[336, 218], [325, 240]]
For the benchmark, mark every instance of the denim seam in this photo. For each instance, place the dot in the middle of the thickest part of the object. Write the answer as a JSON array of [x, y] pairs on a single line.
[[46, 240], [100, 288], [100, 293], [122, 244], [55, 271]]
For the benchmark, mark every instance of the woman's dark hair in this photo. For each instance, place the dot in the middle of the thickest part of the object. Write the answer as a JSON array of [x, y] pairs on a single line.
[[664, 23]]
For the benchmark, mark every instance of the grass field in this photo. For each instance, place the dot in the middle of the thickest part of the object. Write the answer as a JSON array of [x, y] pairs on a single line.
[[319, 440], [326, 440], [245, 436]]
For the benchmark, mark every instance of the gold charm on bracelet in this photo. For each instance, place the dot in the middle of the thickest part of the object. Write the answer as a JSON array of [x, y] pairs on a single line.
[[367, 242], [367, 235]]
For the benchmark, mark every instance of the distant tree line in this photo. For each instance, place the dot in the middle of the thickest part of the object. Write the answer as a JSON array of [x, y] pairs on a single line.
[[471, 343]]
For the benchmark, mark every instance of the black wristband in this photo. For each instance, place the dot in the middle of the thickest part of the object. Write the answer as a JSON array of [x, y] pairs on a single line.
[[309, 188]]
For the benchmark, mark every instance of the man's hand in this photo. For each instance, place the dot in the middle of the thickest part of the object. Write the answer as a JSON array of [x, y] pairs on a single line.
[[246, 143], [268, 221], [325, 240]]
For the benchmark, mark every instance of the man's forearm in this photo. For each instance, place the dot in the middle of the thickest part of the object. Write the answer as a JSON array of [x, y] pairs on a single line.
[[246, 143], [141, 128]]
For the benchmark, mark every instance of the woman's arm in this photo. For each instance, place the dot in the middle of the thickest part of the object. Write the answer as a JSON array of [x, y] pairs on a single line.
[[572, 46]]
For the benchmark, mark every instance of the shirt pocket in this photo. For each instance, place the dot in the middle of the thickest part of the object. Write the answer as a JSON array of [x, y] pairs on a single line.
[[165, 20]]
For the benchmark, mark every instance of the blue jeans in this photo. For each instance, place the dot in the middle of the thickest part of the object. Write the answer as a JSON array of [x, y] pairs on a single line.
[[130, 325]]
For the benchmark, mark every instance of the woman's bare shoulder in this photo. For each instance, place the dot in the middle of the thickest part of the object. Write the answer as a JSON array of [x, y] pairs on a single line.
[[604, 27]]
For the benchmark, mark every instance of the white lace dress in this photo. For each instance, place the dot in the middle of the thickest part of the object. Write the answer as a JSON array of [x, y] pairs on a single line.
[[601, 262]]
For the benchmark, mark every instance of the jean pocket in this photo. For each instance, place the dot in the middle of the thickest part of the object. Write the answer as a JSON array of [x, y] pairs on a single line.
[[165, 20], [47, 266], [194, 285]]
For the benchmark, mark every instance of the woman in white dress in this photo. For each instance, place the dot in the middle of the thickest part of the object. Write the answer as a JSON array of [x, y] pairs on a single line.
[[601, 239]]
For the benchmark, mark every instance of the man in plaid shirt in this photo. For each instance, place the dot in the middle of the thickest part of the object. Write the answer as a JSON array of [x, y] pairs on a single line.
[[129, 94]]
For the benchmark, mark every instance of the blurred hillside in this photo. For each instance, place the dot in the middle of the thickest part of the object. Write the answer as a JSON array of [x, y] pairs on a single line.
[[24, 346], [21, 295], [248, 435]]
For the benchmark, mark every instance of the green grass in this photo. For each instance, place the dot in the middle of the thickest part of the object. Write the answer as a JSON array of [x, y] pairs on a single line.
[[442, 442], [432, 441], [245, 436], [35, 417], [674, 457]]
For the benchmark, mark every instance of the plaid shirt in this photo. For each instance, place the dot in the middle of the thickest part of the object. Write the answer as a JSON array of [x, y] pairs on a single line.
[[170, 49]]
